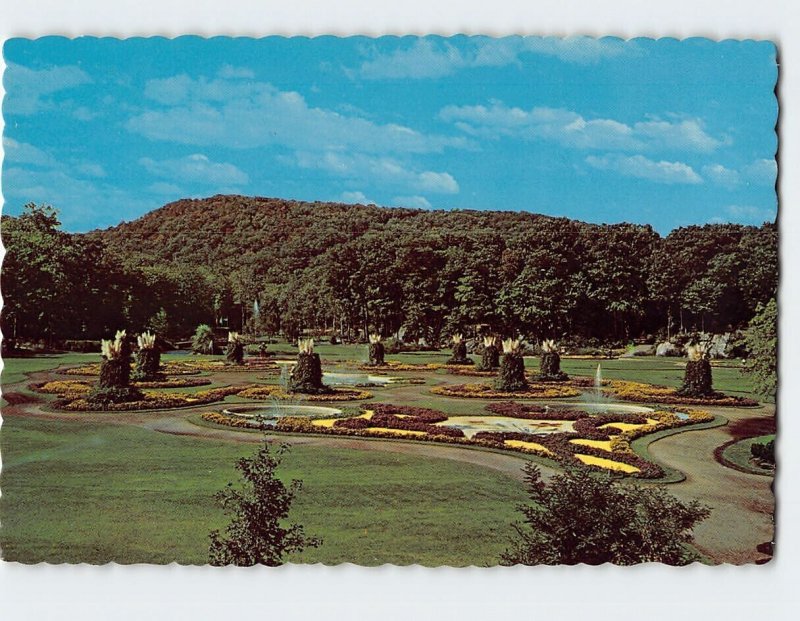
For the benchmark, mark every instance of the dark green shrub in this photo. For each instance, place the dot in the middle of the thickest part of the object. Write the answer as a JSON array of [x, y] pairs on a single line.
[[764, 452]]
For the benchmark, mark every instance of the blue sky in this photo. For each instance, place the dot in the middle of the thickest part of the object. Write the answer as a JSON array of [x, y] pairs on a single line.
[[661, 132]]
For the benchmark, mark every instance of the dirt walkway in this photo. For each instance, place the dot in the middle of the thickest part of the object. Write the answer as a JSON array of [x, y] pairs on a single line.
[[742, 505]]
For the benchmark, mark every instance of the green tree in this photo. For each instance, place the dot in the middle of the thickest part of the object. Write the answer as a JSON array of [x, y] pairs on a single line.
[[580, 517], [256, 533], [762, 344]]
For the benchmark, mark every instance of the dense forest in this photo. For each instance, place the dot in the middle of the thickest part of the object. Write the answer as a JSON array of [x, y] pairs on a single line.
[[279, 266]]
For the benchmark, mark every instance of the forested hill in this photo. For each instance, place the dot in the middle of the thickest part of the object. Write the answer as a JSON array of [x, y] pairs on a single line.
[[225, 232], [278, 265]]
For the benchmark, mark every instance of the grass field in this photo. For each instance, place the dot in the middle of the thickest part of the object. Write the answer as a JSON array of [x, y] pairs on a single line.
[[95, 493], [739, 454]]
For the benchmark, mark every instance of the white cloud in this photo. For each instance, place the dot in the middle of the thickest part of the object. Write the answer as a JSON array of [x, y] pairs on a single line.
[[356, 197], [243, 114], [719, 174], [571, 129], [763, 172], [15, 153], [162, 187], [83, 203], [434, 57], [758, 172], [231, 73], [581, 50], [640, 167], [439, 182], [82, 113], [196, 168], [417, 202], [423, 59], [28, 90], [90, 170], [746, 214], [365, 168]]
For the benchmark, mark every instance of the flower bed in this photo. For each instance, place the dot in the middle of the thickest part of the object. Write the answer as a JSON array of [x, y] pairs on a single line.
[[153, 400], [76, 388], [591, 444], [392, 366], [485, 391], [513, 409], [648, 393], [387, 416], [277, 392]]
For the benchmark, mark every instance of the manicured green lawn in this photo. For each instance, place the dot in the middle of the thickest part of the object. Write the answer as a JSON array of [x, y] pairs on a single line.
[[14, 369], [739, 453], [85, 492], [77, 492]]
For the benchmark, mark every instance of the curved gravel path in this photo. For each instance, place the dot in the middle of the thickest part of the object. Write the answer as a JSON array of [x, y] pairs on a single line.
[[742, 505]]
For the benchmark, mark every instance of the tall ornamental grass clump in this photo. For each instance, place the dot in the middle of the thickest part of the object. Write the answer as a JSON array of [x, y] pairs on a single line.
[[148, 358], [113, 385], [512, 368], [234, 354], [377, 351], [306, 375], [459, 351], [550, 363]]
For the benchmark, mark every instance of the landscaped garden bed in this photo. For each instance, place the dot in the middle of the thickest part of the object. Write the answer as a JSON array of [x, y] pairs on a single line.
[[569, 436], [278, 392], [151, 400], [486, 391], [191, 367], [649, 393]]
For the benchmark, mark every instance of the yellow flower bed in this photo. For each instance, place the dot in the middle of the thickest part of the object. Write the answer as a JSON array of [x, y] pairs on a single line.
[[65, 388], [330, 422], [400, 432], [605, 445], [530, 446], [608, 464], [622, 426], [485, 391]]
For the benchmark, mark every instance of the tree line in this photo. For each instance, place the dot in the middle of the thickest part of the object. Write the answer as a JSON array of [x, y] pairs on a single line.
[[281, 266]]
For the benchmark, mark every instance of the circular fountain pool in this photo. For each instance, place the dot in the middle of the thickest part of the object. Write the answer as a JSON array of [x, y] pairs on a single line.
[[356, 379], [269, 414]]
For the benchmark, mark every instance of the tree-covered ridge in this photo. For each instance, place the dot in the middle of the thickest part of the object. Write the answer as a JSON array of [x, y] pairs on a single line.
[[289, 265]]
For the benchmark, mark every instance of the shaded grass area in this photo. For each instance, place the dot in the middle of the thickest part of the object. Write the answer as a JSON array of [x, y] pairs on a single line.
[[15, 369], [738, 453], [80, 492]]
